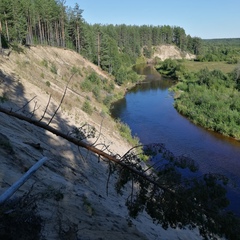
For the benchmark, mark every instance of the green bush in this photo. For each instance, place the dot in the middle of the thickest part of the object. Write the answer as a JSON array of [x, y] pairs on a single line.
[[126, 133], [94, 78], [211, 99], [53, 68], [86, 86], [48, 83], [108, 100], [44, 63], [97, 93], [87, 107], [76, 70]]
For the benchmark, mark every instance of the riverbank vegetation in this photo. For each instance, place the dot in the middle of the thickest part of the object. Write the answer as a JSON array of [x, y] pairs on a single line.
[[209, 98]]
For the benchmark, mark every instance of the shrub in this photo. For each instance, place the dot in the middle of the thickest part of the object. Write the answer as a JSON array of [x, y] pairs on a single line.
[[76, 70], [108, 100], [87, 107], [96, 93], [93, 78], [86, 86], [48, 84], [44, 63], [53, 69], [126, 133], [3, 98]]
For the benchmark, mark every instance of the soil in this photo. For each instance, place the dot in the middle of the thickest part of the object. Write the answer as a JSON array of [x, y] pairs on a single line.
[[164, 52]]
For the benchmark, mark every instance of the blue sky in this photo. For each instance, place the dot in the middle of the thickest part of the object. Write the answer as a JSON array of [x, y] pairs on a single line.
[[206, 19]]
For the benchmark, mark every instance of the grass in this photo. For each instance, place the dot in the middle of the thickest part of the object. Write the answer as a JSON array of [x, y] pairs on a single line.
[[196, 66], [126, 133]]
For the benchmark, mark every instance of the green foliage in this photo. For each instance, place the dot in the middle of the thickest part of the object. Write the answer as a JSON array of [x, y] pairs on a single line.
[[76, 70], [109, 87], [108, 100], [17, 48], [94, 78], [211, 99], [85, 131], [174, 199], [86, 86], [147, 51], [140, 60], [42, 75], [173, 69], [87, 107], [53, 68], [121, 76], [109, 46], [220, 50], [3, 98], [97, 93], [48, 84], [125, 132], [44, 63]]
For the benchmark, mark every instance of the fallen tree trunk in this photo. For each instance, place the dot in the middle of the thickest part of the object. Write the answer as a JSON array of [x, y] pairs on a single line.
[[83, 145]]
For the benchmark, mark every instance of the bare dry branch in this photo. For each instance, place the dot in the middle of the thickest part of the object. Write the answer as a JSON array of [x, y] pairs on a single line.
[[64, 94], [84, 145], [25, 104], [49, 99]]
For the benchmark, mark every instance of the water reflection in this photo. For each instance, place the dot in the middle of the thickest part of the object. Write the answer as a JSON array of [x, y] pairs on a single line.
[[148, 110]]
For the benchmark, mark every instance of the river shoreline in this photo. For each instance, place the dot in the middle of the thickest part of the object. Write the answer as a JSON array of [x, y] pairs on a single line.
[[148, 110]]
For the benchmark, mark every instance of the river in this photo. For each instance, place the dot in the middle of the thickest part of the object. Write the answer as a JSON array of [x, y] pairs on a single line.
[[148, 110]]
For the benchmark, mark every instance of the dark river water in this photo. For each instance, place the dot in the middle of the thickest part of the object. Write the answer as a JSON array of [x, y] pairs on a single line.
[[148, 110]]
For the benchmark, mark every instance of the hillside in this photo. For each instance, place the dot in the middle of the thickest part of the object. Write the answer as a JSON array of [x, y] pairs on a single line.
[[165, 51], [67, 196]]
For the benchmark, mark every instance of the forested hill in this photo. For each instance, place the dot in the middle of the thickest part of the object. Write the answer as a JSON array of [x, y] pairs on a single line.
[[112, 47], [223, 41]]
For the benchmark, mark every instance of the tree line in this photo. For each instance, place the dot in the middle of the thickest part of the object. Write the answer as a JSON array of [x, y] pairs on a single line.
[[112, 47], [214, 50]]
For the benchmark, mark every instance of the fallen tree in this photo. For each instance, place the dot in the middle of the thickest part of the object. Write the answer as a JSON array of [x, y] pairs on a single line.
[[170, 198]]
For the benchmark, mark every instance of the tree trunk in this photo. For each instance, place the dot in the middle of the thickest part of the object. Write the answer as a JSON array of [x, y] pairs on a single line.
[[40, 31], [0, 37], [98, 51], [6, 24]]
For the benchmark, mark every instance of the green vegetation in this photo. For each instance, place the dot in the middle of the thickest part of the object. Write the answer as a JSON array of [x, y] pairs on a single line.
[[215, 50], [3, 98], [114, 48], [126, 133], [44, 63], [177, 200], [195, 66], [172, 68], [48, 84], [87, 107], [53, 68], [208, 98]]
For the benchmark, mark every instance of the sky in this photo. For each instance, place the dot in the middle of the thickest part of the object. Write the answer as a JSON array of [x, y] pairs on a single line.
[[206, 19]]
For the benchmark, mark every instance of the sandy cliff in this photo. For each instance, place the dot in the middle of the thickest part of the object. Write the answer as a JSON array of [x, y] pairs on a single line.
[[69, 191]]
